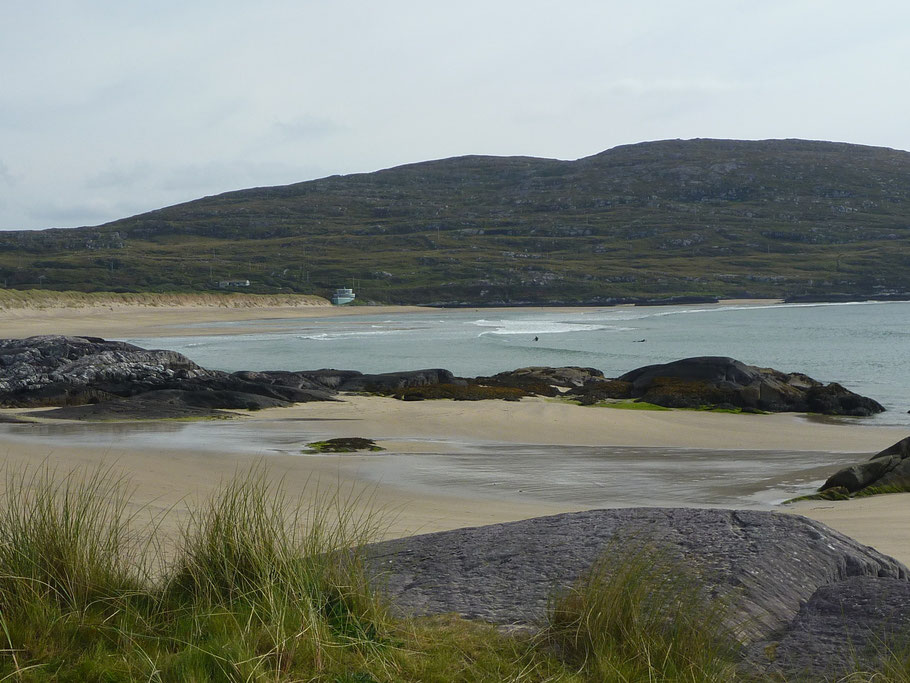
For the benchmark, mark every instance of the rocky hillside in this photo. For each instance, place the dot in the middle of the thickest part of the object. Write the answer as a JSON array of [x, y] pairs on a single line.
[[658, 219]]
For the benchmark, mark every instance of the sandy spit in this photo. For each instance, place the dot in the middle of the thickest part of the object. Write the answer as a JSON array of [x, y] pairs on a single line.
[[119, 322], [125, 321]]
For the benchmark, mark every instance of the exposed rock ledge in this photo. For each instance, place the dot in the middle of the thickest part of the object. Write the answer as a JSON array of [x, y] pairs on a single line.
[[769, 564], [90, 378], [886, 471]]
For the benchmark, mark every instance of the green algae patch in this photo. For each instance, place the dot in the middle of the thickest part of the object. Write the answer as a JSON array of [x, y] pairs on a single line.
[[631, 405]]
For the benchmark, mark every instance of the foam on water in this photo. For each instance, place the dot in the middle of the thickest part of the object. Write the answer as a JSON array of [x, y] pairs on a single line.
[[528, 327]]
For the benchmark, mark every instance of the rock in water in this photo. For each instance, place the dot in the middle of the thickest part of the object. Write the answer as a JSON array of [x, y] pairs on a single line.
[[717, 380]]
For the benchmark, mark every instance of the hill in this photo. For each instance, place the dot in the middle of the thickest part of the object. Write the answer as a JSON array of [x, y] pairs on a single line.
[[672, 218]]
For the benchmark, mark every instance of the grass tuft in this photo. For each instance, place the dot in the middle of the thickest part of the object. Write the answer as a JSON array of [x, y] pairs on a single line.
[[635, 616]]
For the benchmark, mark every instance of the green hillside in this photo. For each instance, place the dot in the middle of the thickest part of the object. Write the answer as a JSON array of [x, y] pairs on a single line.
[[697, 217]]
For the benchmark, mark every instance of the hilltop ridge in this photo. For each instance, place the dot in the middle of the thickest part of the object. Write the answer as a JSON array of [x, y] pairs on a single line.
[[702, 217]]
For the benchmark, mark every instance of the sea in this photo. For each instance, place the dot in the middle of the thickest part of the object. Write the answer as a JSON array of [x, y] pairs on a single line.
[[865, 346]]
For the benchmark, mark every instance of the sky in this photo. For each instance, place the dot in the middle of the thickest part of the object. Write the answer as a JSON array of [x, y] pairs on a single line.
[[109, 108]]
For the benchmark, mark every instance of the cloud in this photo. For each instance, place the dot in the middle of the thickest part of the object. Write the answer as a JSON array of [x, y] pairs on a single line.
[[6, 175], [119, 176], [647, 87], [307, 128]]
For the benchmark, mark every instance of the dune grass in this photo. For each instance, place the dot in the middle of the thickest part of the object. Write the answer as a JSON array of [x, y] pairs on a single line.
[[260, 587], [641, 619], [40, 299]]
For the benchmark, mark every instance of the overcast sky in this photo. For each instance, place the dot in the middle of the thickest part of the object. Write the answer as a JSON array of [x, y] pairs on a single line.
[[112, 108]]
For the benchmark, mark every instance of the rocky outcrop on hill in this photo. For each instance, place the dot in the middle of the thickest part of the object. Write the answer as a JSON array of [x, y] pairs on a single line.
[[720, 382], [888, 470], [766, 564]]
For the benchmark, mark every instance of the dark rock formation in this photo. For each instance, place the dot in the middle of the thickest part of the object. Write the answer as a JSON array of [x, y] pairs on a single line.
[[351, 380], [569, 376], [887, 470], [389, 382], [767, 563], [75, 371], [56, 370], [853, 623], [597, 391], [716, 380]]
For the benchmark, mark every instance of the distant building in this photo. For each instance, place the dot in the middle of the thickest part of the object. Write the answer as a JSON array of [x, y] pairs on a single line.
[[224, 284]]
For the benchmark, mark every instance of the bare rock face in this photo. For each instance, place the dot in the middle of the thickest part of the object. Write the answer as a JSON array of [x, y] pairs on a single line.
[[57, 370], [767, 563], [75, 371], [855, 623], [888, 469]]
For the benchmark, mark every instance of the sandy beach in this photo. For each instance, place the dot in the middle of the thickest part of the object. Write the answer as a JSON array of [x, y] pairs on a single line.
[[124, 321], [117, 322], [170, 474]]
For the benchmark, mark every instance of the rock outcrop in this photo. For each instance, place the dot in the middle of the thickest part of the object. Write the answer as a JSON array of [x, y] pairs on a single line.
[[720, 382], [74, 371], [766, 565], [504, 573], [856, 623], [887, 470]]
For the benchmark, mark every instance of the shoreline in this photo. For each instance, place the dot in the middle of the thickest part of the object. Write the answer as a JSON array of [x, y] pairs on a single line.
[[119, 320]]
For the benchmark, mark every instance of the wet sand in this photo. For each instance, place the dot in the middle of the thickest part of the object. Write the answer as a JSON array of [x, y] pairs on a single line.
[[454, 464]]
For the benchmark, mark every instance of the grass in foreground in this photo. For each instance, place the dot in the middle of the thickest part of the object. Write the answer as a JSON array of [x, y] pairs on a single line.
[[263, 588]]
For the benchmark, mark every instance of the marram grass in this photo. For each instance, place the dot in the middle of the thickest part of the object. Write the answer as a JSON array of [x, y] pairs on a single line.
[[263, 588]]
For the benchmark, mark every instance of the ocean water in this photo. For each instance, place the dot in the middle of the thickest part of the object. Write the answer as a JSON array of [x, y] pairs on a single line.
[[864, 346]]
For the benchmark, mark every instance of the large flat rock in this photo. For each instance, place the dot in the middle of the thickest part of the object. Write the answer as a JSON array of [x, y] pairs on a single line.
[[769, 564]]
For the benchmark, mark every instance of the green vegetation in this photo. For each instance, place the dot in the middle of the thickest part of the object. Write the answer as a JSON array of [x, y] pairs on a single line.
[[630, 405], [459, 392], [12, 299], [261, 588], [344, 445], [674, 218], [642, 619]]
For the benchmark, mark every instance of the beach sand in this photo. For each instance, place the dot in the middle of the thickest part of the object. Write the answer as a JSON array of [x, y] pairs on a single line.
[[878, 521], [119, 322]]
